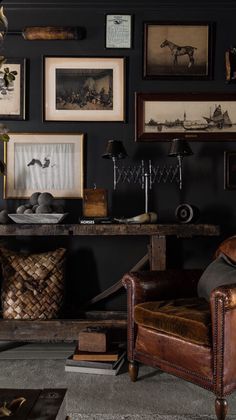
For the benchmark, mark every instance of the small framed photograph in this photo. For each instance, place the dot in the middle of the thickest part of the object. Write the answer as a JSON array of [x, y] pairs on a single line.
[[84, 89], [193, 116], [118, 31], [12, 89], [44, 162], [177, 50], [230, 170]]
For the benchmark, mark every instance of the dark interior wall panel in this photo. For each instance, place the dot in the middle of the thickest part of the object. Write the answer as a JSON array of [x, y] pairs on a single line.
[[203, 172]]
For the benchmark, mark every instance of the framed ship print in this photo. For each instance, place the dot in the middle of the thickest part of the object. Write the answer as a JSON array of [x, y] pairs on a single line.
[[194, 116]]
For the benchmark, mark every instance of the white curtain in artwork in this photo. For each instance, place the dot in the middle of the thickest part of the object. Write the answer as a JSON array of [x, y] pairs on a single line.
[[43, 167]]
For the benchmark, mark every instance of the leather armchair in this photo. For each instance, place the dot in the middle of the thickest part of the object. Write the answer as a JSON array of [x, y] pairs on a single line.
[[196, 342]]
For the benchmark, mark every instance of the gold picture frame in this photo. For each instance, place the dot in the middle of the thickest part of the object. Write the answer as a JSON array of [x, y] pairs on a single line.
[[42, 162]]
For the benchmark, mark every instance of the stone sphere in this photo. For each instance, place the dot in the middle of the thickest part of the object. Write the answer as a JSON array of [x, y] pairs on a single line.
[[4, 217], [34, 198], [45, 199], [20, 209], [43, 209], [28, 211], [34, 208]]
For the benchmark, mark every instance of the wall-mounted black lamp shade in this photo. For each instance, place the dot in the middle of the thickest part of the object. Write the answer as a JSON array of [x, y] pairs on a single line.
[[180, 147], [115, 149]]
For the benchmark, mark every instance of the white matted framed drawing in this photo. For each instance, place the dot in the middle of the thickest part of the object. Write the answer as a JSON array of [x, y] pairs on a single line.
[[12, 89], [84, 89], [44, 162]]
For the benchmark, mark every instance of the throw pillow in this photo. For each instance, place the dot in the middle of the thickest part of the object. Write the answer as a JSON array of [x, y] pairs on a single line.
[[220, 272], [33, 285], [228, 248]]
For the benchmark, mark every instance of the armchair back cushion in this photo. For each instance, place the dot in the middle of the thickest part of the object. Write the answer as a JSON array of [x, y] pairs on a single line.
[[220, 272], [228, 248]]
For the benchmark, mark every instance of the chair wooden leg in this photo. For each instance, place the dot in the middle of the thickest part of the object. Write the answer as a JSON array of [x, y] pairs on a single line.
[[133, 370], [221, 407]]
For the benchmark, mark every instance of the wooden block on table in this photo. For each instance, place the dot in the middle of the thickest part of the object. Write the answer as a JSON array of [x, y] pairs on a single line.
[[95, 203]]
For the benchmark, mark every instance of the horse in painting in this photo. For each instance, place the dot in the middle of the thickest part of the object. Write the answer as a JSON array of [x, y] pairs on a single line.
[[177, 50]]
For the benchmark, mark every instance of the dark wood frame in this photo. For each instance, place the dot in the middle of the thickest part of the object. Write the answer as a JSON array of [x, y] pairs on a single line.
[[21, 115], [123, 99], [150, 76], [131, 30], [141, 135], [229, 170]]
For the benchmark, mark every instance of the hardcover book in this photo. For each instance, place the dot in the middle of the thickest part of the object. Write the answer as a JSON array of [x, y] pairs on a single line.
[[96, 368], [88, 355]]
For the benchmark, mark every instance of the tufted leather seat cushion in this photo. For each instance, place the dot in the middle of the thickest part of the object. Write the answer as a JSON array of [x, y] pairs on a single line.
[[188, 319]]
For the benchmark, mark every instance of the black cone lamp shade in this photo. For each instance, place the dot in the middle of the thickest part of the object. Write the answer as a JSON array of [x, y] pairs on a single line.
[[180, 147], [115, 149]]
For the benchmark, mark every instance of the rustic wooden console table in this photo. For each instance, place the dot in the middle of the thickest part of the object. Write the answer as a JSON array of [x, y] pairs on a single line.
[[67, 329]]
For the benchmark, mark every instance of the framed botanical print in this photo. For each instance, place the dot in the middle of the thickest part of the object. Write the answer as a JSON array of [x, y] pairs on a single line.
[[84, 89], [44, 162], [177, 50], [12, 89]]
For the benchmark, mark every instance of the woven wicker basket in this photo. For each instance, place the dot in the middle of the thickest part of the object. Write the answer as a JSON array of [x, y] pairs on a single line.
[[33, 285]]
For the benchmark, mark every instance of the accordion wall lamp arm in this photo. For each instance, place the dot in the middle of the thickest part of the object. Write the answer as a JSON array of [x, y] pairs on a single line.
[[147, 174]]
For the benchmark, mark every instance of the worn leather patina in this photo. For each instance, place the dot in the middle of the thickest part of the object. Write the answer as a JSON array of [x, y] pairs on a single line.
[[189, 319]]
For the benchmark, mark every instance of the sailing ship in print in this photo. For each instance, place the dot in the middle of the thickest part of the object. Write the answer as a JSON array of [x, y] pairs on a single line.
[[219, 119]]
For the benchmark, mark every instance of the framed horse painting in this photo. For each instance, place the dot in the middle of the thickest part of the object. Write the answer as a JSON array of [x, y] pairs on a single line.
[[178, 50]]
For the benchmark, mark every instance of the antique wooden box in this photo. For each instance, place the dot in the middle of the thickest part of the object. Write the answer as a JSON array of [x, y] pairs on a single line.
[[95, 203], [93, 339]]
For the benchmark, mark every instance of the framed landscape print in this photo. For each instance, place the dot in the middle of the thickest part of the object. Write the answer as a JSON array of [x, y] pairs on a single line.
[[44, 162], [194, 116], [177, 50], [84, 89], [12, 89]]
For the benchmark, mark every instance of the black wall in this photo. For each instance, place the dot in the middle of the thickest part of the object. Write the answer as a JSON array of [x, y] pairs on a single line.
[[95, 264]]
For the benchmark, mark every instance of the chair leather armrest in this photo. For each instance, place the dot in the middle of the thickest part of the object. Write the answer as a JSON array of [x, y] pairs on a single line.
[[227, 294], [223, 314], [155, 285], [160, 285]]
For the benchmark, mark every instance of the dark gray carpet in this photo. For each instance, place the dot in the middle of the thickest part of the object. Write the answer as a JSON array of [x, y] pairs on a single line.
[[155, 396]]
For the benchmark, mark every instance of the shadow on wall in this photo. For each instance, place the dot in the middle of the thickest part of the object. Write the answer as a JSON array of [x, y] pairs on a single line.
[[81, 280], [216, 214]]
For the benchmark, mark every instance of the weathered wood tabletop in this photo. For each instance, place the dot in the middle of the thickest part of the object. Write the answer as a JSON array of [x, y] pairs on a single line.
[[67, 330]]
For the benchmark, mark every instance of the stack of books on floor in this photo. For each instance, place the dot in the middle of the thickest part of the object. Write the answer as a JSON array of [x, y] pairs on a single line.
[[105, 361], [96, 363]]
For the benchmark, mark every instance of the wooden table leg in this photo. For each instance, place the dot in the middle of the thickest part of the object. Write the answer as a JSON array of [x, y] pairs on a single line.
[[158, 252]]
